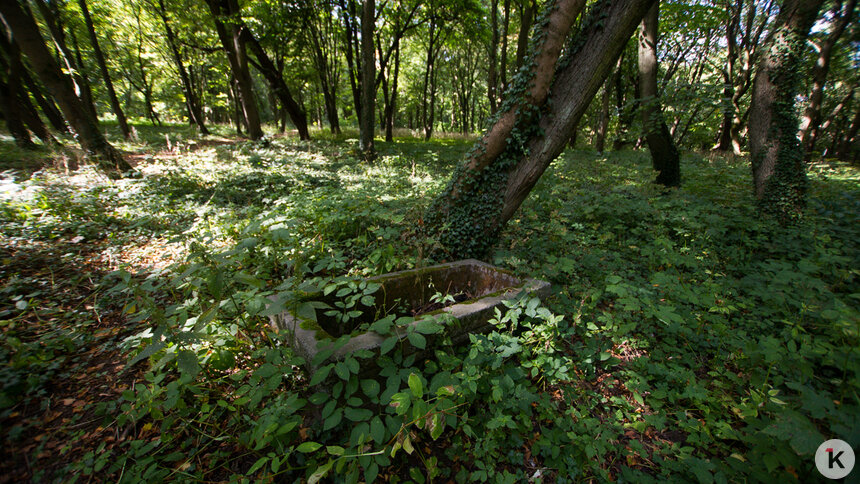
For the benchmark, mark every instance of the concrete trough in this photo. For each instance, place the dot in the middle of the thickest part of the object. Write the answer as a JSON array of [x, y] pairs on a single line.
[[484, 285]]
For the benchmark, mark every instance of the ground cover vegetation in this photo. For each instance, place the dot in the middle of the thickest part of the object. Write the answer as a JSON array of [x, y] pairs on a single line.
[[687, 337], [175, 172]]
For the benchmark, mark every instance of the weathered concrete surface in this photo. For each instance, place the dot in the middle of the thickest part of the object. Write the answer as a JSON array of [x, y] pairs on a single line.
[[488, 285]]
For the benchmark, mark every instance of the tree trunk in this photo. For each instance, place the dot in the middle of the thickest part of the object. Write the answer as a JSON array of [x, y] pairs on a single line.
[[195, 113], [494, 48], [276, 82], [812, 115], [843, 104], [86, 92], [503, 67], [849, 147], [87, 131], [488, 188], [16, 101], [664, 153], [49, 109], [100, 58], [234, 47], [603, 123], [368, 80], [323, 43], [353, 57], [391, 106], [527, 12], [776, 155], [9, 108]]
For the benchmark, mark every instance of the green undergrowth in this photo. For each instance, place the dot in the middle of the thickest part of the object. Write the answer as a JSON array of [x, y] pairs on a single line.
[[688, 338]]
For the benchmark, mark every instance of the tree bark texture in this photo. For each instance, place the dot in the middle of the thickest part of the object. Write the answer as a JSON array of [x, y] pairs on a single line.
[[779, 175], [87, 132], [664, 154], [528, 133]]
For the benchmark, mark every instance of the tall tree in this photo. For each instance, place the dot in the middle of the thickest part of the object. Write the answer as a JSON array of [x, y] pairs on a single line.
[[368, 81], [493, 49], [843, 12], [664, 153], [71, 61], [100, 59], [321, 33], [275, 79], [746, 22], [498, 174], [235, 47], [779, 174], [87, 133], [18, 111], [192, 101]]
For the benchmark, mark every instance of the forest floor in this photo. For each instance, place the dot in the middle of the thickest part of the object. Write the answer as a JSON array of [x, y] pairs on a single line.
[[687, 338]]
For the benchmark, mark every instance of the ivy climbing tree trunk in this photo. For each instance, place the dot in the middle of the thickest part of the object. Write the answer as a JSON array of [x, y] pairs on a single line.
[[87, 133], [779, 174], [664, 153], [100, 59], [500, 171]]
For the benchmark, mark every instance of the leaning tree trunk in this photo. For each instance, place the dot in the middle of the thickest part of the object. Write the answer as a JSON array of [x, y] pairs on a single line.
[[529, 132], [16, 100], [87, 132], [776, 155], [100, 58], [368, 81], [273, 75], [664, 153]]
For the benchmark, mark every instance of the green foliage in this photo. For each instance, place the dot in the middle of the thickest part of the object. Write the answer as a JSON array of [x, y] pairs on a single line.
[[687, 338]]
